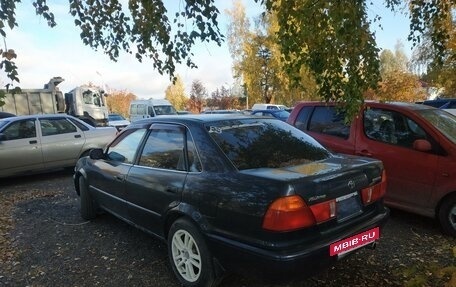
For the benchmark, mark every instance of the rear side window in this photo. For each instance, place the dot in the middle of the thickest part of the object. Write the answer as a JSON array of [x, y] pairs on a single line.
[[327, 120], [56, 126], [302, 118], [79, 124], [170, 147], [164, 149]]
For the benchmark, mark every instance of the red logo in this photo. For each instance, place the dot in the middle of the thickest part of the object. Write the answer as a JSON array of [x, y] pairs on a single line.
[[354, 242]]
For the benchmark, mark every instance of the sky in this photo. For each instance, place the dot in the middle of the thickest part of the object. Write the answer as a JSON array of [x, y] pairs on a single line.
[[45, 52]]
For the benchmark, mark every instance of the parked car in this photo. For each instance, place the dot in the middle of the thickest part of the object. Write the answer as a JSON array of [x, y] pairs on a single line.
[[183, 112], [40, 143], [117, 121], [416, 143], [235, 192], [268, 107], [144, 109], [222, 112], [446, 104], [6, 115], [279, 114]]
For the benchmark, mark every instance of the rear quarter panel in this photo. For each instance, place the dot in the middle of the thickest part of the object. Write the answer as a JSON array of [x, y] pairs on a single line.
[[98, 137]]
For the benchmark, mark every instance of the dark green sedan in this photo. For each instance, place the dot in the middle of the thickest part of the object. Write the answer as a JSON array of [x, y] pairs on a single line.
[[235, 193]]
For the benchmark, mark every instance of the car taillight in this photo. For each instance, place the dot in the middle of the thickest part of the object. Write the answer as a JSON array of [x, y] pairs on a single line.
[[374, 192], [324, 211], [291, 213]]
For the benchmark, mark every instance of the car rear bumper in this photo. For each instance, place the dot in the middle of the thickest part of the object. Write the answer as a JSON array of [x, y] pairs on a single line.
[[303, 261]]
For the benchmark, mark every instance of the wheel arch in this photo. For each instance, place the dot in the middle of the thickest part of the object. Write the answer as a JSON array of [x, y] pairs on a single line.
[[442, 200], [184, 210], [85, 152], [76, 177]]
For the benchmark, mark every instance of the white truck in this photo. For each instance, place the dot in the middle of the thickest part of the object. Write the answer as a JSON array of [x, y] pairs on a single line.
[[84, 102]]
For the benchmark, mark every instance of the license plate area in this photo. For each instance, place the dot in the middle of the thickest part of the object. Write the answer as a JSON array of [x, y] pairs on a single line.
[[352, 243], [348, 206]]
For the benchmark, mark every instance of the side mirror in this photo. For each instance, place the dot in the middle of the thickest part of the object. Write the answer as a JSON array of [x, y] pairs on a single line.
[[96, 153], [422, 145]]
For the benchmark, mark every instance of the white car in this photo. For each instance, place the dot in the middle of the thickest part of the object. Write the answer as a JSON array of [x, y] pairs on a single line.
[[117, 121], [38, 143]]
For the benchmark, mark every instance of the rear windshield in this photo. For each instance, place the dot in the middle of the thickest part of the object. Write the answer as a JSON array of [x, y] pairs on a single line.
[[265, 143], [443, 121]]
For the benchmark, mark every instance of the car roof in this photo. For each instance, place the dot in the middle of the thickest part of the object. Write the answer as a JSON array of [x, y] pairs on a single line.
[[40, 116], [268, 111], [47, 116], [410, 106], [194, 118]]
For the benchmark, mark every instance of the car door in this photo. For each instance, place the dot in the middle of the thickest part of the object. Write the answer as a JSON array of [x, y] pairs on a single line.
[[389, 135], [107, 177], [21, 148], [61, 142], [155, 183]]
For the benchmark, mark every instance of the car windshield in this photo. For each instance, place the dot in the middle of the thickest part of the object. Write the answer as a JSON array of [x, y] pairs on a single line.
[[3, 123], [164, 110], [264, 143], [443, 121], [115, 118]]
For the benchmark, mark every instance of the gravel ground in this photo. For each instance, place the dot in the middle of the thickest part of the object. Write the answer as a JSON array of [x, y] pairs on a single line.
[[44, 242]]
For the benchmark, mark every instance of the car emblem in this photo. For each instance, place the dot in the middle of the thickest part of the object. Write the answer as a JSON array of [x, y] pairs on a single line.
[[351, 184]]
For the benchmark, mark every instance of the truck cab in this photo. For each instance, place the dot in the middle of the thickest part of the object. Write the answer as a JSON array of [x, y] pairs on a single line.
[[88, 104]]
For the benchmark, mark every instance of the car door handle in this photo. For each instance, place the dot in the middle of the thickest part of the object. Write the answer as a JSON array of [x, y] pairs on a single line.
[[364, 153], [119, 177], [77, 136], [33, 142]]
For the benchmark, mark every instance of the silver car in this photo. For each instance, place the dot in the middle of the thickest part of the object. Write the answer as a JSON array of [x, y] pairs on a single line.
[[38, 143]]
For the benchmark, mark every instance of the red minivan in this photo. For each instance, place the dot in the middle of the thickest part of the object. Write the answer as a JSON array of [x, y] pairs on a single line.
[[416, 143]]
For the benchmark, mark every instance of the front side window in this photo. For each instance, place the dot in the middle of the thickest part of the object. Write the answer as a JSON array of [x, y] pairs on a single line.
[[392, 127], [20, 130], [265, 143], [124, 148], [444, 122], [56, 126], [92, 98], [327, 120], [164, 148]]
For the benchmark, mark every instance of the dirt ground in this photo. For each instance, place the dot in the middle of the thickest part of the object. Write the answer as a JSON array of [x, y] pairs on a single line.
[[45, 242]]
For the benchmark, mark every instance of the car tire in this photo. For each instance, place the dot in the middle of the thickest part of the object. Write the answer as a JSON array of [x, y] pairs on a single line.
[[189, 256], [87, 205], [447, 215]]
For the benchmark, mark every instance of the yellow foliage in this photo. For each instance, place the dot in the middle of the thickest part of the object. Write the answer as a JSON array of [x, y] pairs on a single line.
[[398, 86], [119, 102]]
